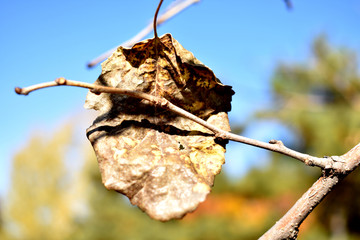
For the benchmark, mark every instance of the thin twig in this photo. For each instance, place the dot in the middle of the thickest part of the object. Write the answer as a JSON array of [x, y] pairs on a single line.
[[171, 12], [335, 163]]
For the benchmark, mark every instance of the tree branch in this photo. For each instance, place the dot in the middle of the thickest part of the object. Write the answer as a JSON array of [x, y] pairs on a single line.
[[288, 226], [335, 168], [335, 163], [171, 12]]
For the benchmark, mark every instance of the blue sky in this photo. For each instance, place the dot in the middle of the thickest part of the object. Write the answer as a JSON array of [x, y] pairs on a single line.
[[240, 40]]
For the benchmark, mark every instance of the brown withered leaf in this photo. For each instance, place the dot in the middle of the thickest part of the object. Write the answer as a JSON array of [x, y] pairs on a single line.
[[164, 163]]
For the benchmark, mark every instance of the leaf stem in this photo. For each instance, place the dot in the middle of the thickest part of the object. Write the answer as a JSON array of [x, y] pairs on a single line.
[[155, 18]]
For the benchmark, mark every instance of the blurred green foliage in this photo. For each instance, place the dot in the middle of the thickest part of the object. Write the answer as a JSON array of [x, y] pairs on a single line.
[[319, 100]]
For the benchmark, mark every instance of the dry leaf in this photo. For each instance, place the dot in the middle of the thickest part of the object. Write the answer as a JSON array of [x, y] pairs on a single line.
[[164, 163]]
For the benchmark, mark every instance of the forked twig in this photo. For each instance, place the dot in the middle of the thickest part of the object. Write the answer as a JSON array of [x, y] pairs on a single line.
[[171, 12], [335, 167]]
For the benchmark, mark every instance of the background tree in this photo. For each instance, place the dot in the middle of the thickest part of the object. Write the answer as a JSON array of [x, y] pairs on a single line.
[[43, 199], [319, 101]]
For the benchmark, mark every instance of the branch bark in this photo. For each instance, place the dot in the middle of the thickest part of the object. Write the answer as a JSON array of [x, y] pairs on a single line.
[[288, 226]]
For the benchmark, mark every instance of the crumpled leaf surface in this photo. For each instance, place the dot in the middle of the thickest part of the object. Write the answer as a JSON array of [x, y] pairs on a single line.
[[165, 164]]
